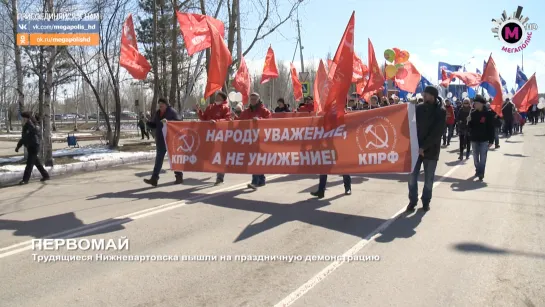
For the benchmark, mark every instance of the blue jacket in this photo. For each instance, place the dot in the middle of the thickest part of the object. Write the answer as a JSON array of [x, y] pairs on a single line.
[[157, 124]]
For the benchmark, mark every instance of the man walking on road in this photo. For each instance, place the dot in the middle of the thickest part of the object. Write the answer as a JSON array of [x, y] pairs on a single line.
[[481, 130], [430, 124], [465, 143], [255, 111], [218, 111], [165, 112], [451, 120], [507, 111]]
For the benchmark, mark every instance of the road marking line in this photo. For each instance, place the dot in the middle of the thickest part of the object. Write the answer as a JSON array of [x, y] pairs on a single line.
[[82, 230], [297, 294]]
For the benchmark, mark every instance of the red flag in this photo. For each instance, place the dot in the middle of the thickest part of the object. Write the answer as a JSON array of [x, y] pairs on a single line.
[[135, 63], [242, 81], [469, 78], [297, 87], [270, 71], [329, 64], [195, 31], [360, 69], [376, 79], [220, 60], [527, 95], [339, 85], [360, 85], [320, 87], [410, 82], [444, 75], [492, 77]]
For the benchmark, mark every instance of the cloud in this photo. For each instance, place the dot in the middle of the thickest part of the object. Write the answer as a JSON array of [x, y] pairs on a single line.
[[440, 51]]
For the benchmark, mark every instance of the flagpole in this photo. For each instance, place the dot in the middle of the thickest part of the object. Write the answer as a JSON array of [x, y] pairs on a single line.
[[522, 52]]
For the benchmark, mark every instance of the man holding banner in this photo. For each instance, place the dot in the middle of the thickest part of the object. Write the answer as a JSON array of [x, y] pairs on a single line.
[[255, 111], [430, 124], [218, 111], [164, 114]]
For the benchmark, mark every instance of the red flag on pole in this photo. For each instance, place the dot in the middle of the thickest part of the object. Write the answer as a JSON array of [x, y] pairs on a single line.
[[527, 95], [220, 60], [242, 81], [297, 87], [410, 82], [339, 84], [320, 87], [492, 77], [376, 79], [468, 78], [135, 63], [270, 71], [195, 31]]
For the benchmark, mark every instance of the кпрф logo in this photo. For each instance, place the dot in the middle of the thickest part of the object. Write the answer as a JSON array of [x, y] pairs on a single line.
[[514, 31]]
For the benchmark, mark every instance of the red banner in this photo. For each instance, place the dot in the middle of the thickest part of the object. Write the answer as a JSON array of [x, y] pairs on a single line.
[[376, 141]]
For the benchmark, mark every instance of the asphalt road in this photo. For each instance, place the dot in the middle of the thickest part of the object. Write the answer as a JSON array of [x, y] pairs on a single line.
[[482, 244]]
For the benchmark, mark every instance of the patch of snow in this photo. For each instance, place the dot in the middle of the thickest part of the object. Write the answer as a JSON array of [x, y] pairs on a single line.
[[110, 156], [87, 150], [113, 156]]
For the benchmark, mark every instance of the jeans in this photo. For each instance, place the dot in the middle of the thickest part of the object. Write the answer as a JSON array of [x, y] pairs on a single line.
[[465, 143], [429, 175], [159, 158], [32, 161], [258, 179], [480, 151], [347, 181], [497, 136], [447, 134]]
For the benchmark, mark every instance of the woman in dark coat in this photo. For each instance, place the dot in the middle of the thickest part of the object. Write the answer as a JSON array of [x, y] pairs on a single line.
[[31, 139]]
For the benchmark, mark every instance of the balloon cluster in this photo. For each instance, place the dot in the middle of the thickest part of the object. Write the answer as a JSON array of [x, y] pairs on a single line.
[[396, 58]]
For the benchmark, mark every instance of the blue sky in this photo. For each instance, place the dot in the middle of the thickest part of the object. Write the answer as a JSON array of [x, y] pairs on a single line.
[[431, 31]]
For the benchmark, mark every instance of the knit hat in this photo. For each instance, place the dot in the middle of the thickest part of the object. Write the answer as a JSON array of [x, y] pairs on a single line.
[[480, 99], [432, 91]]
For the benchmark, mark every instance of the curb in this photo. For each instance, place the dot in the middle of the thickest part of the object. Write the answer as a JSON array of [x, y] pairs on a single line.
[[73, 168]]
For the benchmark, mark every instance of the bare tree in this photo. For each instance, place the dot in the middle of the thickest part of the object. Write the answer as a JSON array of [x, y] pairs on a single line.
[[13, 11]]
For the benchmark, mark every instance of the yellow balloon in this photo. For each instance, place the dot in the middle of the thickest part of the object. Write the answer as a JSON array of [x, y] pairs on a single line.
[[391, 71]]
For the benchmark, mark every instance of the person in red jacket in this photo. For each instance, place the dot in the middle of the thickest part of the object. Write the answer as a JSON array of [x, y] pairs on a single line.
[[255, 111], [451, 120], [307, 106], [218, 111]]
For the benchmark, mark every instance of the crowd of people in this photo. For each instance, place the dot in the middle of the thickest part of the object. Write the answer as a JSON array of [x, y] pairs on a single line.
[[438, 120]]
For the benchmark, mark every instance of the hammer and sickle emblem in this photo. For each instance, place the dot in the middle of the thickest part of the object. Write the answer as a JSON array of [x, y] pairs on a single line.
[[381, 143], [186, 145]]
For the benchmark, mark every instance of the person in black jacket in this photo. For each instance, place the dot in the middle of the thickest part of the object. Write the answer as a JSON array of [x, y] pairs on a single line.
[[507, 112], [165, 112], [31, 139], [142, 126], [282, 106], [430, 124], [481, 130], [497, 127], [463, 132]]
